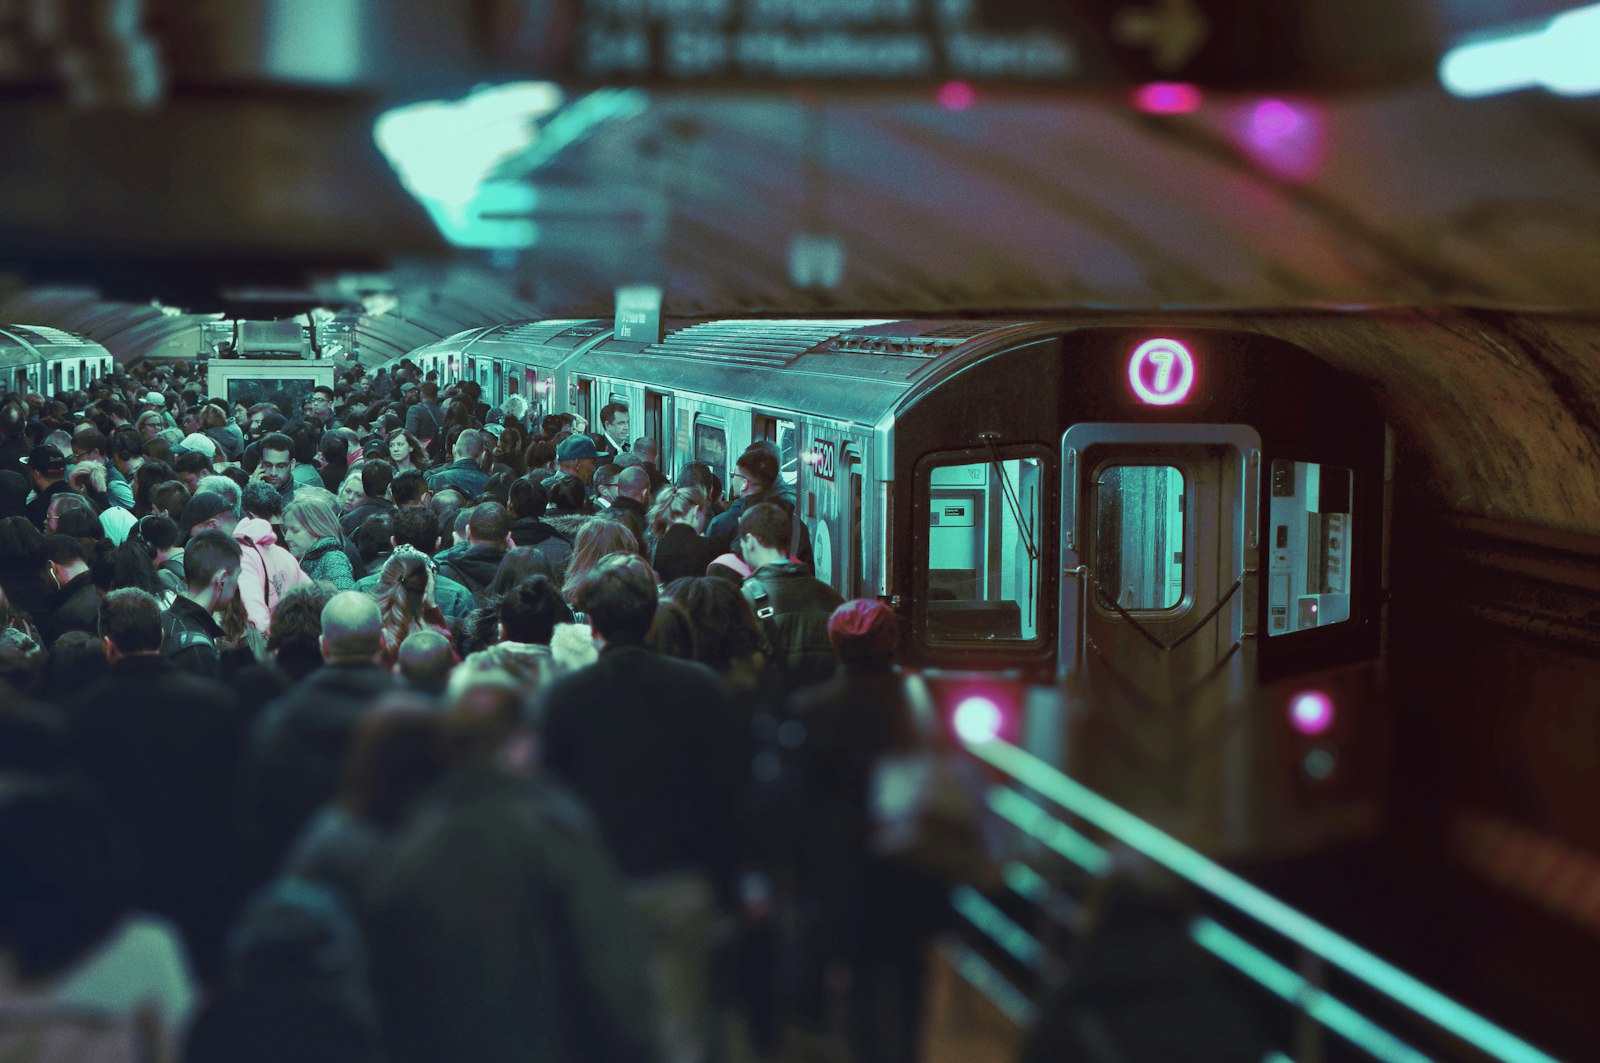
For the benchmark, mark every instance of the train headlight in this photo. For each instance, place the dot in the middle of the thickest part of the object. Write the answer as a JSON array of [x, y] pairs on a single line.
[[1311, 713]]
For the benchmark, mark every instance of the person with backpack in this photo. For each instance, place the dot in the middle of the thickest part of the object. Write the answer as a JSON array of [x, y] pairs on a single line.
[[193, 638], [425, 418], [792, 605]]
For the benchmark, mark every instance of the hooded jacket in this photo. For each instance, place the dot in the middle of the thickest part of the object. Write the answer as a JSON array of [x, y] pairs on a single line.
[[268, 571], [475, 567]]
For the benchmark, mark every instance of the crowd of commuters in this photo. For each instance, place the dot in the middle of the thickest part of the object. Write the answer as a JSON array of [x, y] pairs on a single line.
[[399, 727]]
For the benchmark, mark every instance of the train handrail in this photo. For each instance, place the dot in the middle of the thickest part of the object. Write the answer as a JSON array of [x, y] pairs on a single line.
[[1321, 943]]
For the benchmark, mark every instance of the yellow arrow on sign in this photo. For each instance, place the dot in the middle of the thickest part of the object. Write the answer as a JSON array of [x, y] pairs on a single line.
[[1173, 30]]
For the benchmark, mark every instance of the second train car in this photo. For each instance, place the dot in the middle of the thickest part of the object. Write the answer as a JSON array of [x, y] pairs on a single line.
[[1182, 529]]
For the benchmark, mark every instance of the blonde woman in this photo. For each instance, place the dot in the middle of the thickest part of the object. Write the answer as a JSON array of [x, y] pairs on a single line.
[[598, 538], [677, 523], [311, 532], [405, 601]]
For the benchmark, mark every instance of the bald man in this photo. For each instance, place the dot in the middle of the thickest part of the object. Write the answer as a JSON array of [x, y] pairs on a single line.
[[424, 662], [633, 491], [298, 748], [352, 629]]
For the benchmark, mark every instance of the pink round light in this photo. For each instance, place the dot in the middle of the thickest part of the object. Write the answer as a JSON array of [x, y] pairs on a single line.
[[1161, 372], [1311, 713], [1167, 97], [1285, 138], [957, 96], [976, 719]]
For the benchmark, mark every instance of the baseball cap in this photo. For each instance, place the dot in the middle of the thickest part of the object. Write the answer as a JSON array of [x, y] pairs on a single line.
[[154, 398], [201, 508], [200, 444], [576, 447], [47, 460], [863, 629]]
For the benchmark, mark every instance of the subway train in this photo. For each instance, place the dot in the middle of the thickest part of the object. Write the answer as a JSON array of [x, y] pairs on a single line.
[[1155, 556], [48, 361]]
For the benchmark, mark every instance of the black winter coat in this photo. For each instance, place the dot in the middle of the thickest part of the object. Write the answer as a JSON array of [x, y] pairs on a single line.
[[681, 552], [162, 747], [297, 753], [651, 744], [75, 607], [500, 934]]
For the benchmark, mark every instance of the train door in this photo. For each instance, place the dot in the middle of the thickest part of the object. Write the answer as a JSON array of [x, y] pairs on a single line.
[[1157, 596], [851, 530], [657, 425], [583, 402]]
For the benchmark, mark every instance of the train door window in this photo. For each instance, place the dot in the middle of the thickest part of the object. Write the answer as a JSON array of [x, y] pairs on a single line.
[[513, 384], [21, 386], [1139, 516], [786, 437], [1308, 571], [711, 447], [983, 575]]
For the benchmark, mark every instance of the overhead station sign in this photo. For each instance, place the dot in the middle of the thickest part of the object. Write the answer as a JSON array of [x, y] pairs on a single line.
[[862, 41], [1082, 43]]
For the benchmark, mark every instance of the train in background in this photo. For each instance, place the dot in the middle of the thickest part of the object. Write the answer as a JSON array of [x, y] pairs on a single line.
[[41, 360], [1178, 530]]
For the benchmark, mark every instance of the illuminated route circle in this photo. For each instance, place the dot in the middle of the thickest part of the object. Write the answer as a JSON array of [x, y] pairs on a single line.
[[1161, 372]]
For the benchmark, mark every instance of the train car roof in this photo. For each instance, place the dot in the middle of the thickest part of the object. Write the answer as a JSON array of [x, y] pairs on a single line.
[[854, 370], [24, 343], [545, 343]]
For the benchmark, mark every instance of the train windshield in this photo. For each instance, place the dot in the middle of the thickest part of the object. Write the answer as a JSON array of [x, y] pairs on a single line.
[[982, 579]]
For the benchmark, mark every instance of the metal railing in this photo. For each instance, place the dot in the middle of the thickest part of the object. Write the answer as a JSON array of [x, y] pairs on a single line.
[[1318, 950]]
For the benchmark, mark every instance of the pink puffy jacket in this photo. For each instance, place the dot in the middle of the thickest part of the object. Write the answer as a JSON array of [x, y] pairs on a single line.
[[268, 570]]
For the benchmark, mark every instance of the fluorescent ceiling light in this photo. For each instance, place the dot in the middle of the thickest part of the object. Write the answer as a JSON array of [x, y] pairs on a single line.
[[1562, 57]]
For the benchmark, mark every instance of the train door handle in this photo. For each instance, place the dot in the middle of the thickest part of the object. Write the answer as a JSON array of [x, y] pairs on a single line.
[[1080, 573]]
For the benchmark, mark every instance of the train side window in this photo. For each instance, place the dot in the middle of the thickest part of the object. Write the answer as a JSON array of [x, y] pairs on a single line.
[[1308, 568], [711, 447], [1138, 513], [983, 573]]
